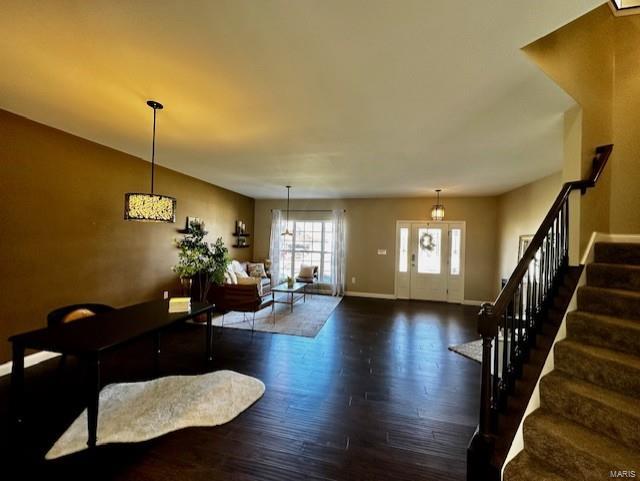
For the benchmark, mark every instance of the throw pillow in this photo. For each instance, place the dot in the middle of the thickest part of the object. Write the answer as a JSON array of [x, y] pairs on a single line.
[[256, 269], [241, 275], [251, 281], [306, 271], [239, 270], [232, 275]]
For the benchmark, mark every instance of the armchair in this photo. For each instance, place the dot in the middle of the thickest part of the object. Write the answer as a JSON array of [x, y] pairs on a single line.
[[308, 275], [239, 298]]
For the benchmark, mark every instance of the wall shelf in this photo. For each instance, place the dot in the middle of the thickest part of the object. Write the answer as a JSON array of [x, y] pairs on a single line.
[[236, 234], [236, 246]]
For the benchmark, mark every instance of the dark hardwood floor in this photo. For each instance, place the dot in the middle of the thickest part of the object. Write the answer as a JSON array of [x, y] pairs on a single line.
[[376, 395]]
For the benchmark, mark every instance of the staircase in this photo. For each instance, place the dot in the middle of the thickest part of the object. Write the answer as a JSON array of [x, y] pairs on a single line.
[[588, 424]]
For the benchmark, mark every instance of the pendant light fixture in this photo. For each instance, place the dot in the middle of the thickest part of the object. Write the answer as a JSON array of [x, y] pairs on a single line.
[[437, 210], [286, 231], [150, 207]]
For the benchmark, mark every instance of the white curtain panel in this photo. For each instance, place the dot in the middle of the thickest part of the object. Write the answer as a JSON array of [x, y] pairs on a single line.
[[274, 246], [338, 260]]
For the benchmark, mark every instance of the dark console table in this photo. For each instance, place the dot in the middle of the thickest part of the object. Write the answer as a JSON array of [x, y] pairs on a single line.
[[89, 338]]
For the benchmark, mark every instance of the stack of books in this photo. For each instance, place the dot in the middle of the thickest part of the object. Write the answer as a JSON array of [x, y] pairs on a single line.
[[179, 304]]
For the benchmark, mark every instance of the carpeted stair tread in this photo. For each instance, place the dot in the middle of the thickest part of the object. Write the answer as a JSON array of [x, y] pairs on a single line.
[[525, 467], [573, 450], [604, 331], [612, 302], [615, 276], [604, 367], [588, 425], [605, 411], [617, 253]]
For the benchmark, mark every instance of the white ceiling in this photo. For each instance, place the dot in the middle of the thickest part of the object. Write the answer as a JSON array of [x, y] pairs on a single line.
[[339, 98]]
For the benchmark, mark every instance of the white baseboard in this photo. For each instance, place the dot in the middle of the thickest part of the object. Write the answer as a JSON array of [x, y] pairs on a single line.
[[376, 295], [373, 295], [629, 238], [588, 255], [472, 302], [30, 360]]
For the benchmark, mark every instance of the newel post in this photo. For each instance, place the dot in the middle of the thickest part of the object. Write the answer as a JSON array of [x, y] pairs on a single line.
[[487, 331], [480, 449]]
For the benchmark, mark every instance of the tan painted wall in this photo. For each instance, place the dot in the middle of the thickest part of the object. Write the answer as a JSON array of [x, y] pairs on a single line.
[[625, 168], [63, 236], [579, 58], [571, 170], [596, 59], [520, 212], [371, 225]]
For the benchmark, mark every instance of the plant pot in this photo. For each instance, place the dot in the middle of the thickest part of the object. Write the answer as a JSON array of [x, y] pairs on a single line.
[[186, 283], [290, 283], [200, 318]]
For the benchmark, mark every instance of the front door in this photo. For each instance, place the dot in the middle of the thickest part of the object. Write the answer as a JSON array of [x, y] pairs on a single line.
[[430, 261]]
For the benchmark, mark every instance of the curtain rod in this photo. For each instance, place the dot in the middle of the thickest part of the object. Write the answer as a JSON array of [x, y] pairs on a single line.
[[309, 210]]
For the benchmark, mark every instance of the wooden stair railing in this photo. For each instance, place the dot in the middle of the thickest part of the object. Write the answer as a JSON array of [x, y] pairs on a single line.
[[513, 322]]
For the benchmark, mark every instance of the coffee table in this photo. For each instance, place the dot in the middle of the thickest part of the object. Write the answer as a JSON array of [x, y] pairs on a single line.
[[298, 288]]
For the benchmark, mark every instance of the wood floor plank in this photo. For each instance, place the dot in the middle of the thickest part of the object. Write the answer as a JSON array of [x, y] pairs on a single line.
[[376, 395]]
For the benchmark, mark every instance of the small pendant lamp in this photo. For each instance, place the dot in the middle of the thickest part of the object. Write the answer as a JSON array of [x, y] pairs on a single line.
[[437, 210], [150, 207]]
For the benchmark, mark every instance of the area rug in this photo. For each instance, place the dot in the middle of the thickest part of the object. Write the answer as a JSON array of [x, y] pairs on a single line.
[[471, 350], [139, 411], [306, 320]]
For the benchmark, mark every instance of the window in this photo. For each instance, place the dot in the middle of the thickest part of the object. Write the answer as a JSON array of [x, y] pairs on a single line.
[[455, 252], [403, 261], [429, 259], [311, 244]]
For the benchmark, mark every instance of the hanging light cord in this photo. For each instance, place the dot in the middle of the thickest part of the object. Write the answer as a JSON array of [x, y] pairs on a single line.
[[155, 106], [153, 149], [288, 190]]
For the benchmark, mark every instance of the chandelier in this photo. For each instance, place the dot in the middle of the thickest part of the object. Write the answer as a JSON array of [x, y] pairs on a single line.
[[150, 207]]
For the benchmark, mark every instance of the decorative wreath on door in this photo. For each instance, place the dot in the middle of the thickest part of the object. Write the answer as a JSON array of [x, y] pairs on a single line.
[[426, 242]]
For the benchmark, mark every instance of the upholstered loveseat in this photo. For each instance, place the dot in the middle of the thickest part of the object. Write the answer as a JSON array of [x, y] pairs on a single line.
[[242, 292], [243, 273]]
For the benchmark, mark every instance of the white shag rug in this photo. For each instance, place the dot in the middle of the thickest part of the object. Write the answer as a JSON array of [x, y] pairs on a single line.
[[306, 320], [139, 411]]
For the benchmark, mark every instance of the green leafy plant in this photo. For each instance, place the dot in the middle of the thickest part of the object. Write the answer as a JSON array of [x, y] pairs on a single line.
[[201, 261]]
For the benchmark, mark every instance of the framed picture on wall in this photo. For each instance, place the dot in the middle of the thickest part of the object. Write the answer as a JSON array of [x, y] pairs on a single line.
[[190, 219], [524, 242]]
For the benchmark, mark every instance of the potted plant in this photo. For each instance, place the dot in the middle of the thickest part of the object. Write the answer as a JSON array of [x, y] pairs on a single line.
[[289, 282], [200, 261]]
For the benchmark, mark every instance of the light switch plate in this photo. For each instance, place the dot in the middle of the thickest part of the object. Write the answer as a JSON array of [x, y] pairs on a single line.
[[382, 252]]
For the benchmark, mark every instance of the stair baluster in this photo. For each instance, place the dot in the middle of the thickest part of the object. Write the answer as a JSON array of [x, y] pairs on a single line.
[[516, 317]]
